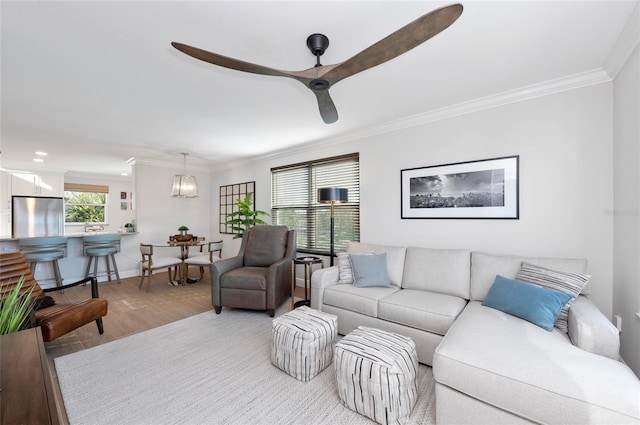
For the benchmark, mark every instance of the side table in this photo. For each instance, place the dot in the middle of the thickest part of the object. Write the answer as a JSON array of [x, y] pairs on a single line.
[[308, 263]]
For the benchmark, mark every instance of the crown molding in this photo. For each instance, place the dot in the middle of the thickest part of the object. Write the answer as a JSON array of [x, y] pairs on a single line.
[[571, 82], [625, 45], [171, 164]]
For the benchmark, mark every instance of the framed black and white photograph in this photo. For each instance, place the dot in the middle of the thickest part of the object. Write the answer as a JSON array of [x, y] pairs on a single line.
[[486, 188]]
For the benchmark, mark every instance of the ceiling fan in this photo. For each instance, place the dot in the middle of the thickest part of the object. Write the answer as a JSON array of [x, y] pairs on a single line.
[[321, 77]]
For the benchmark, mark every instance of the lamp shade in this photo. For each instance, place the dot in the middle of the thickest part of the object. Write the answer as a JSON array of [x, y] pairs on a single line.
[[332, 195], [184, 186]]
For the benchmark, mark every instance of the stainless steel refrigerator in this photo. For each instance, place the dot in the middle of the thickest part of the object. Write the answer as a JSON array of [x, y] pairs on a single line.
[[37, 216]]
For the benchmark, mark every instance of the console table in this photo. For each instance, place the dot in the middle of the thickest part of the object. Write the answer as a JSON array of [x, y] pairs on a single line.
[[26, 389]]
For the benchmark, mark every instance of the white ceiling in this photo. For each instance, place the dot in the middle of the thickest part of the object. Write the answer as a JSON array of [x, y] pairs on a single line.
[[95, 83]]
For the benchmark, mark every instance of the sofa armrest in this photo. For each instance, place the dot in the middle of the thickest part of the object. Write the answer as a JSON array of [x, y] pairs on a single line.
[[320, 279], [591, 331]]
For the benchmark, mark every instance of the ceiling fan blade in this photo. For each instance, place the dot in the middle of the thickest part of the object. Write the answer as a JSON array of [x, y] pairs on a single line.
[[228, 62], [397, 43], [328, 110]]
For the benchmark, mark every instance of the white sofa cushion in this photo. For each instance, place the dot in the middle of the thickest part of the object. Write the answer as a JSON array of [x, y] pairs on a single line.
[[590, 330], [516, 366], [485, 267], [422, 310], [445, 271], [360, 300], [395, 257]]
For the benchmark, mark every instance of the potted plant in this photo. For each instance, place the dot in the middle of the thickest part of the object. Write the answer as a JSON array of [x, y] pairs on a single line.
[[183, 236], [16, 309], [245, 217], [129, 228]]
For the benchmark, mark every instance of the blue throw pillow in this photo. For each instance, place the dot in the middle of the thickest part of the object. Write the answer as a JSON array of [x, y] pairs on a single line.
[[369, 270], [540, 306]]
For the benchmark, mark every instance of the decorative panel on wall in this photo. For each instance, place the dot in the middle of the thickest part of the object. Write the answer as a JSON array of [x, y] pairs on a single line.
[[229, 194]]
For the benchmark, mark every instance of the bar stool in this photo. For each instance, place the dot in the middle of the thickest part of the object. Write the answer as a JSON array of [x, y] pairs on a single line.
[[96, 246], [45, 250]]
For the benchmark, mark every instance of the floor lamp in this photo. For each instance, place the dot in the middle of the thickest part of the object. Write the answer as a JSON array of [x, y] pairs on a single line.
[[332, 195]]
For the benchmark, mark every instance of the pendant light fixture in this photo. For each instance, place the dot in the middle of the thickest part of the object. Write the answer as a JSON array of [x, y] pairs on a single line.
[[184, 185]]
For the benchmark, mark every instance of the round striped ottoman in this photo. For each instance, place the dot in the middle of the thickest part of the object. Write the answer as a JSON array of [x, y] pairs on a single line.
[[376, 374], [303, 342]]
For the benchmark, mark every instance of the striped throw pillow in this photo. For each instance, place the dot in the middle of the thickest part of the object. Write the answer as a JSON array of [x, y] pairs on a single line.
[[571, 283], [344, 266]]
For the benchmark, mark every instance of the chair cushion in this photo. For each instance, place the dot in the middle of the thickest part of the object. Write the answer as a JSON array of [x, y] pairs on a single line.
[[162, 262], [44, 255], [63, 318], [265, 245], [106, 250], [200, 260], [251, 278]]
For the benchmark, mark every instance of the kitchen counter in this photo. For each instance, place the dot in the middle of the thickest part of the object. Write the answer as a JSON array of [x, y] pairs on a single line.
[[69, 235], [73, 265]]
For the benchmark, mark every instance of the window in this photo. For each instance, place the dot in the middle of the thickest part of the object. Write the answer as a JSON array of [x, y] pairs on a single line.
[[294, 203], [85, 203]]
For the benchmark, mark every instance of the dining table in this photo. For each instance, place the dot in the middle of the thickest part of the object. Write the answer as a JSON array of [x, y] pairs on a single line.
[[184, 254]]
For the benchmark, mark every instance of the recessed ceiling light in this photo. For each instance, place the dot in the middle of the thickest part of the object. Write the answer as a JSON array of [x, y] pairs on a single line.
[[38, 159], [124, 174], [41, 153]]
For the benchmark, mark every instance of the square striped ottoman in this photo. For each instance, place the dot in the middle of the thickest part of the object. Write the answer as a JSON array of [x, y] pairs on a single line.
[[376, 374], [303, 342]]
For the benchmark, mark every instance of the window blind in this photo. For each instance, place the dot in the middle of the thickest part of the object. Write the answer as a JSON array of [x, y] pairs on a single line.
[[294, 202]]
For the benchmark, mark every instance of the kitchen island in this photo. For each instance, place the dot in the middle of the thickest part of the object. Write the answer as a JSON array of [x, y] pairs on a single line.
[[73, 266]]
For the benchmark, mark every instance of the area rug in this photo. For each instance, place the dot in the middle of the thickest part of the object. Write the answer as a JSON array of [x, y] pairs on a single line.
[[206, 369]]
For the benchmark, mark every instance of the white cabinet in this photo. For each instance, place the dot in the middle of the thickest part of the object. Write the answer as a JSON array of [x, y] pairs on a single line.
[[5, 190], [27, 184]]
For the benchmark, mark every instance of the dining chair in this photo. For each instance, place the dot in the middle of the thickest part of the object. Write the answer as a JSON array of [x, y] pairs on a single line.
[[151, 262], [203, 258]]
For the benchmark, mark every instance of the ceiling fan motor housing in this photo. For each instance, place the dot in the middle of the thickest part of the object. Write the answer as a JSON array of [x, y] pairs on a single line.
[[317, 43]]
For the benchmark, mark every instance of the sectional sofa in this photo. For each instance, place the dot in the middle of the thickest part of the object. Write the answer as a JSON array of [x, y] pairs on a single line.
[[489, 366]]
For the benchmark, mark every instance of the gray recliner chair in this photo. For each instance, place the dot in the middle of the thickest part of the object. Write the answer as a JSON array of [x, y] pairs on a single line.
[[259, 277]]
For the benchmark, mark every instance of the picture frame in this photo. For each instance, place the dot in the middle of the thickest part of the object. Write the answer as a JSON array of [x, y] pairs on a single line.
[[229, 194], [123, 205], [480, 189], [123, 195]]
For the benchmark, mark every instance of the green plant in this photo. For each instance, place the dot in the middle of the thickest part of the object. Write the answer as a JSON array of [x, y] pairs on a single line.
[[245, 217], [15, 309], [183, 228]]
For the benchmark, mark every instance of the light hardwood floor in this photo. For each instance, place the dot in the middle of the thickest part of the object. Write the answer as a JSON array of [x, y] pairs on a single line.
[[132, 310]]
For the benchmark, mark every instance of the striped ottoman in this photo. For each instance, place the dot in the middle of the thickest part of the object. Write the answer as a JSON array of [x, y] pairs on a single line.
[[303, 342], [376, 374]]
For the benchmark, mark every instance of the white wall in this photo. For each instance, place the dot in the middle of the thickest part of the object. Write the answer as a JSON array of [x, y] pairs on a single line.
[[626, 212], [159, 215], [566, 178]]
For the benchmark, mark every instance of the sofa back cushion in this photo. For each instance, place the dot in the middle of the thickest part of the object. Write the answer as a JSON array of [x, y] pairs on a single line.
[[395, 257], [445, 271], [485, 267]]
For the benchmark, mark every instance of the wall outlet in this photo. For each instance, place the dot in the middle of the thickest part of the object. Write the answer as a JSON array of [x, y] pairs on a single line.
[[618, 322]]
